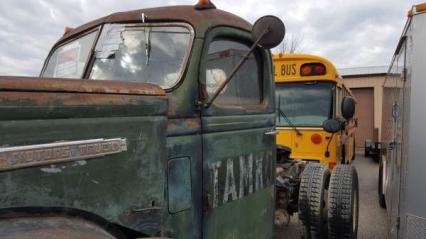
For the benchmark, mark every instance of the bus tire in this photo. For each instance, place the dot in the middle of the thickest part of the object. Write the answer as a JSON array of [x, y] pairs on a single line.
[[312, 200], [382, 200], [343, 201]]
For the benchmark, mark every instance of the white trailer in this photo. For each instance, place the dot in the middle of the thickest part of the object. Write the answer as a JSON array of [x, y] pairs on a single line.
[[402, 174]]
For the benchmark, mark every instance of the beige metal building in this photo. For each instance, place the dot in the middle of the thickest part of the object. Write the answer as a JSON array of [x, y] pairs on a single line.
[[366, 83]]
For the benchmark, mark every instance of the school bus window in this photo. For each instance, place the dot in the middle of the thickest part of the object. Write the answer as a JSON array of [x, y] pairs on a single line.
[[305, 103]]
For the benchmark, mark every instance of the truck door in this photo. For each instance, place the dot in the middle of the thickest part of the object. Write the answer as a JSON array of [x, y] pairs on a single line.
[[238, 139]]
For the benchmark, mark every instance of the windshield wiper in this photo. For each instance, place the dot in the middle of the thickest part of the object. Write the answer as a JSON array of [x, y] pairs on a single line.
[[287, 119], [147, 45]]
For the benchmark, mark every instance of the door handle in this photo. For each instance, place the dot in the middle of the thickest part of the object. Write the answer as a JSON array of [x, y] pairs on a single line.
[[273, 132]]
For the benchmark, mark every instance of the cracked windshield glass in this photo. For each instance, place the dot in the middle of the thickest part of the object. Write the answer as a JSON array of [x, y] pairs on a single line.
[[304, 104], [141, 54]]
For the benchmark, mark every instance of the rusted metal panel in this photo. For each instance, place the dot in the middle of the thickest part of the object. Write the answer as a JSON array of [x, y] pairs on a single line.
[[68, 99], [82, 86], [20, 105], [125, 188]]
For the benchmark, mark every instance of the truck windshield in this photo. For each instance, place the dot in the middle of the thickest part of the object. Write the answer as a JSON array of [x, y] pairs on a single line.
[[154, 54], [306, 104]]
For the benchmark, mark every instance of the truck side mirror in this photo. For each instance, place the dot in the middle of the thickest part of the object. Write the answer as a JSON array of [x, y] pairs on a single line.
[[348, 107], [268, 32], [332, 126]]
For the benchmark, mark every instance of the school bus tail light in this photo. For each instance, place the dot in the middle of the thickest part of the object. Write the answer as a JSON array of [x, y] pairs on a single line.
[[331, 165], [312, 69], [316, 138]]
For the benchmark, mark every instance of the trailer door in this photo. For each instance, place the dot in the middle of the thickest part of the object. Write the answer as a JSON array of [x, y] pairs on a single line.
[[394, 165]]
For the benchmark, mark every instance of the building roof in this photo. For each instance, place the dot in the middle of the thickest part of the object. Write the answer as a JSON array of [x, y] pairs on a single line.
[[363, 71]]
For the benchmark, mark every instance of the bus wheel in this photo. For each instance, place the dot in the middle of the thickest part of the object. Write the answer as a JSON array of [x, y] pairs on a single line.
[[312, 200], [382, 200], [343, 198]]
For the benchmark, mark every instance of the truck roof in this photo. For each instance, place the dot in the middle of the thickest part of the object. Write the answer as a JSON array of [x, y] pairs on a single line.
[[201, 20]]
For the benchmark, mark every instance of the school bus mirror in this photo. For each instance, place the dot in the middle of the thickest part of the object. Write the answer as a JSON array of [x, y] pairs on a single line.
[[268, 32], [348, 107], [332, 126]]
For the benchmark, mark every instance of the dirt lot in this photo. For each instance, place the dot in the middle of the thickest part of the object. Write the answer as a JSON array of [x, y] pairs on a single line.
[[372, 219]]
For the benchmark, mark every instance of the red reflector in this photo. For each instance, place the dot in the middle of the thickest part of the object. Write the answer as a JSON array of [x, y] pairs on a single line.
[[316, 139], [331, 165], [313, 69], [319, 70], [306, 70]]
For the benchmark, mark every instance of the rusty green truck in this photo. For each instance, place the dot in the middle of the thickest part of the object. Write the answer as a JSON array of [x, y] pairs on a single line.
[[144, 124]]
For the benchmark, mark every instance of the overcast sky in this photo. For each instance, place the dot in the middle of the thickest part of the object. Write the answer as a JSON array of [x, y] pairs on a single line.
[[349, 33]]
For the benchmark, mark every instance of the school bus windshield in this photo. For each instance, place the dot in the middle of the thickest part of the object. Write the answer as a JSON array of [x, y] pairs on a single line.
[[305, 104]]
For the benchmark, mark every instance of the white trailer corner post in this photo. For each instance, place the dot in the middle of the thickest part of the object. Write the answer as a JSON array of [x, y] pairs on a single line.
[[402, 180]]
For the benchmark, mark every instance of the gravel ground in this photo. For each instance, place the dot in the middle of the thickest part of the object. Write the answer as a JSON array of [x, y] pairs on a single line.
[[372, 219]]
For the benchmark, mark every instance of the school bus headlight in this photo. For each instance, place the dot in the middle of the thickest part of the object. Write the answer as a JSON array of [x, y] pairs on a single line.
[[316, 138]]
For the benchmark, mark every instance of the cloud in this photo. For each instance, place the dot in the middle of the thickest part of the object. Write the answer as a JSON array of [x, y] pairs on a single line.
[[350, 33]]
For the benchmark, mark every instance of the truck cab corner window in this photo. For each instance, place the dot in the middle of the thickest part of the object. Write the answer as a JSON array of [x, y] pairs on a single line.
[[69, 60]]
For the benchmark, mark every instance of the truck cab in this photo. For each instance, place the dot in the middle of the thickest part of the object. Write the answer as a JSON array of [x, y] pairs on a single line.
[[141, 125]]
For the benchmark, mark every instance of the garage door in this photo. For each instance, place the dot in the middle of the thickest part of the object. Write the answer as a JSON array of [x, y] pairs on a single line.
[[365, 114]]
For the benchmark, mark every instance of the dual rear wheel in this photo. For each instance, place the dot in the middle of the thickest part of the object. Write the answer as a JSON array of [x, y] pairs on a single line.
[[328, 203]]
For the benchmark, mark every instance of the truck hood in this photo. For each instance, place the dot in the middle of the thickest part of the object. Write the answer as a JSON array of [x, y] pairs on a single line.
[[92, 146]]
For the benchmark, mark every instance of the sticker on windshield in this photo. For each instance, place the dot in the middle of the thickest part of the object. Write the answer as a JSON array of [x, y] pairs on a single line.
[[68, 60]]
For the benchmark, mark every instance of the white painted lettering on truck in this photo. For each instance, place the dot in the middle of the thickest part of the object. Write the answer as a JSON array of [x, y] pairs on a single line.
[[234, 178], [215, 176], [230, 189], [246, 177]]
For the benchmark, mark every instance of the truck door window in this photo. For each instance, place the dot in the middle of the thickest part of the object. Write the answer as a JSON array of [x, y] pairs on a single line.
[[244, 88], [70, 59], [148, 54]]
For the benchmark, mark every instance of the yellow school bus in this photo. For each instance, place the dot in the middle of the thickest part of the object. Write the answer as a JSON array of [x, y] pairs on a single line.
[[309, 91]]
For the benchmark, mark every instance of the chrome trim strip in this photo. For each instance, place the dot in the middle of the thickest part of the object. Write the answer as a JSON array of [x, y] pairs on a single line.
[[44, 154]]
